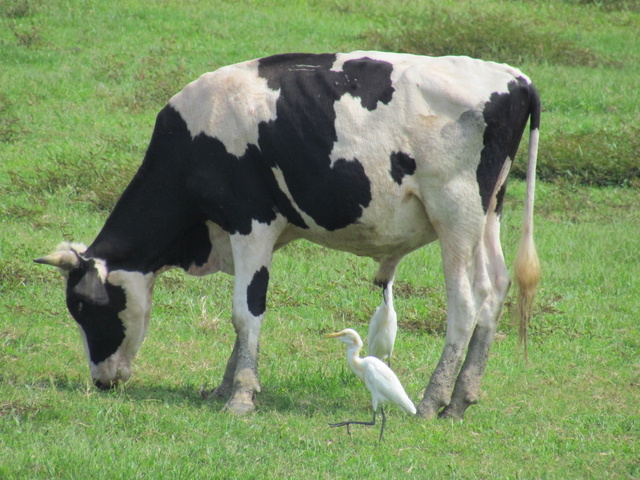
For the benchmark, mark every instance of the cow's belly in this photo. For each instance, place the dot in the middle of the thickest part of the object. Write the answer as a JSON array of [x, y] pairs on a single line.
[[390, 228]]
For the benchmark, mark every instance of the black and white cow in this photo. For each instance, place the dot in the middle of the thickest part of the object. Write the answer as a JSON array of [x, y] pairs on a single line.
[[372, 153]]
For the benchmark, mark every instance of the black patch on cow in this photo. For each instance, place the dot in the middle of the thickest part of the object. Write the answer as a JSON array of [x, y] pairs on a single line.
[[505, 115], [276, 67], [99, 321], [192, 248], [536, 108], [233, 191], [401, 164], [155, 210], [160, 218], [300, 140], [500, 197], [185, 181], [257, 292], [370, 80]]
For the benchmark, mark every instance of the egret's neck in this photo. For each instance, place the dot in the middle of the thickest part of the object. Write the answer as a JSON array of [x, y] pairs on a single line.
[[388, 295], [355, 362]]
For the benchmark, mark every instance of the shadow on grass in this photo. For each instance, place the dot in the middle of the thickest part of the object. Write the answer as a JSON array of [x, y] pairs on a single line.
[[306, 394], [179, 394]]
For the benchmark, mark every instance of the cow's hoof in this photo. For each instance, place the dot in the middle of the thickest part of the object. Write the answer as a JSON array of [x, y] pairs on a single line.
[[239, 407], [426, 410], [241, 403], [449, 412]]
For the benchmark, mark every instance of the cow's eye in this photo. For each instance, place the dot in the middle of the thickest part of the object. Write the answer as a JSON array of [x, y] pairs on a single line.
[[80, 305]]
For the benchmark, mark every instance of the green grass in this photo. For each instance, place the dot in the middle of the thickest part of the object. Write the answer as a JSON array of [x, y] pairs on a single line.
[[80, 85]]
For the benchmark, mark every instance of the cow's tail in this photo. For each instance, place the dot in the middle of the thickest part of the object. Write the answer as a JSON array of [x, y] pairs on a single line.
[[527, 264]]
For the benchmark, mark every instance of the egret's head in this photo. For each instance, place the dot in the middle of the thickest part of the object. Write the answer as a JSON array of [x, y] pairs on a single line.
[[348, 336]]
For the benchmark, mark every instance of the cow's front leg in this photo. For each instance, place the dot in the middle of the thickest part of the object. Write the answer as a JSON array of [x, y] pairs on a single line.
[[252, 258], [249, 306]]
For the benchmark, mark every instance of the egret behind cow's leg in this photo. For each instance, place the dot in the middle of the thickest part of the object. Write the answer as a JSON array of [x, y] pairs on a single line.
[[378, 377]]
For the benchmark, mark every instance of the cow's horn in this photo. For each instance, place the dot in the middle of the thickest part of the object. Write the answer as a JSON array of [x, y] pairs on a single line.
[[65, 259]]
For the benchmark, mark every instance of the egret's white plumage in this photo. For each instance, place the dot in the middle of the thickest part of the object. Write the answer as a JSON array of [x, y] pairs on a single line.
[[383, 328], [377, 376]]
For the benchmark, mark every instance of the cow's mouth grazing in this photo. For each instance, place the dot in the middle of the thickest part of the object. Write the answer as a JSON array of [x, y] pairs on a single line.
[[103, 386]]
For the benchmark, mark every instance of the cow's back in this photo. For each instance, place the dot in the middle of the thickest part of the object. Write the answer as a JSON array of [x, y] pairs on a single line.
[[351, 144]]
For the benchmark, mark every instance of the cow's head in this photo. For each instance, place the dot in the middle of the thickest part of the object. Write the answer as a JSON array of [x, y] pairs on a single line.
[[111, 308]]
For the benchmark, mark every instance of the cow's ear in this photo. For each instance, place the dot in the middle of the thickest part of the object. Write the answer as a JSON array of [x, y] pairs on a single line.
[[92, 287]]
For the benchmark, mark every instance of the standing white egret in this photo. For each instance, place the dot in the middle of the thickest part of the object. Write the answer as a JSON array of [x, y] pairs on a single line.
[[378, 377], [383, 327]]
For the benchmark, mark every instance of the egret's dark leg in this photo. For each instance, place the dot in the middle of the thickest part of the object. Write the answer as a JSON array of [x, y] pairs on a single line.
[[354, 422], [384, 420]]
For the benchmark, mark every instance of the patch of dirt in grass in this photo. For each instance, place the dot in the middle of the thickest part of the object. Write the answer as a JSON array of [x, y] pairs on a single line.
[[432, 326], [18, 8], [434, 321], [407, 290], [577, 204], [10, 126], [98, 183], [610, 5], [490, 35], [19, 409], [16, 273], [601, 158]]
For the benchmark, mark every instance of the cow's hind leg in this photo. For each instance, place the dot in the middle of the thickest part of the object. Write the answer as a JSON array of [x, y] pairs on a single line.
[[459, 222], [491, 272]]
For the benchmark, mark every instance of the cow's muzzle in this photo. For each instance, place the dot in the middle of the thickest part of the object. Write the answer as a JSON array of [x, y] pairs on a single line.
[[103, 386]]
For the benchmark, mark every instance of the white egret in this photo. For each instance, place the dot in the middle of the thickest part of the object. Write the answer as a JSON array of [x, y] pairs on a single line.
[[378, 377], [383, 327]]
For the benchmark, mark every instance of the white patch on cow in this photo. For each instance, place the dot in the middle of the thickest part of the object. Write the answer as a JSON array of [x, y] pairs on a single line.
[[442, 83], [101, 268], [138, 288], [279, 176], [365, 134], [434, 116], [228, 104]]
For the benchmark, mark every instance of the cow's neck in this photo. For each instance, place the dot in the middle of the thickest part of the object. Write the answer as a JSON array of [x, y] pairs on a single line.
[[142, 231], [152, 220]]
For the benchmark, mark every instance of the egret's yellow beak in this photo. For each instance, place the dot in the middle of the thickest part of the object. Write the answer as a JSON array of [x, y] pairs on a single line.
[[333, 335]]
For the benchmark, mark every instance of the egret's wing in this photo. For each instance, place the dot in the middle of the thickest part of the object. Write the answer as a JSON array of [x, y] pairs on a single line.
[[384, 385]]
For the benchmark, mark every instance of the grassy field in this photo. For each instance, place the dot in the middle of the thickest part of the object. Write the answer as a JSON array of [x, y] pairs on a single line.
[[80, 85]]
